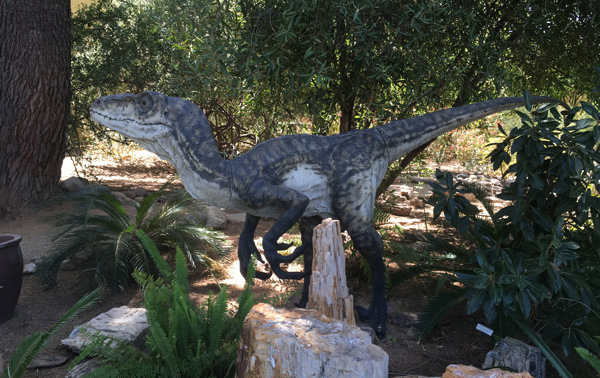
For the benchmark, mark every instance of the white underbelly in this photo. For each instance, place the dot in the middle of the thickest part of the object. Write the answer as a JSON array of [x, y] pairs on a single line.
[[313, 184]]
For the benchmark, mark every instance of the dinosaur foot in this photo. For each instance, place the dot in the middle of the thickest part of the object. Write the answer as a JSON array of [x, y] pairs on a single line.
[[375, 318], [302, 303]]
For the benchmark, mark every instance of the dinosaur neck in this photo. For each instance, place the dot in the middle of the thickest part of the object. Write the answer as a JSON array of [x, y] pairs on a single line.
[[204, 173], [404, 136]]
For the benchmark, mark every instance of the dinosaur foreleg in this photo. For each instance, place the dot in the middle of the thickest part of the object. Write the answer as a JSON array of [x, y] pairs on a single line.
[[307, 226], [247, 247], [370, 245], [262, 193], [270, 245]]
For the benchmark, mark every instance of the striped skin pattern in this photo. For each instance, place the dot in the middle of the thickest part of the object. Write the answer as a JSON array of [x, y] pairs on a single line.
[[294, 179]]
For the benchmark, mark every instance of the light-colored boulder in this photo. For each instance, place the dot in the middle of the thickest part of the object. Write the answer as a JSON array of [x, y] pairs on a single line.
[[212, 217], [120, 322], [236, 218], [465, 371], [303, 343]]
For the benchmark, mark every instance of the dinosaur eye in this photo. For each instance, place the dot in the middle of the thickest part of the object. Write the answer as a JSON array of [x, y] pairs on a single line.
[[145, 103]]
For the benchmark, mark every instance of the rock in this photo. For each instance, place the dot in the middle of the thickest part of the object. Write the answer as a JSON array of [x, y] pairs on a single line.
[[67, 265], [120, 322], [214, 217], [29, 268], [403, 319], [36, 259], [47, 361], [130, 194], [303, 343], [138, 199], [401, 209], [416, 202], [464, 371], [140, 192], [81, 256], [236, 218], [73, 184], [517, 355], [120, 196], [84, 368]]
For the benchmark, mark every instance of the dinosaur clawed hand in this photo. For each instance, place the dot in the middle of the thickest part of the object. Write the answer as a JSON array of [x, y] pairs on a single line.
[[275, 259], [247, 248]]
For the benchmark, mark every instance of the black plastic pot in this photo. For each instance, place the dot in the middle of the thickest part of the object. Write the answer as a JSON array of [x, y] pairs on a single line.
[[11, 274]]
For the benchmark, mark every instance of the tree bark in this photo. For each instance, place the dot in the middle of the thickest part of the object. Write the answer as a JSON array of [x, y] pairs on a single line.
[[35, 65], [328, 292]]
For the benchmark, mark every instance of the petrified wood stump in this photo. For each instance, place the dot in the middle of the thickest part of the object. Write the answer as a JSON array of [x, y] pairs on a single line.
[[278, 343], [328, 292]]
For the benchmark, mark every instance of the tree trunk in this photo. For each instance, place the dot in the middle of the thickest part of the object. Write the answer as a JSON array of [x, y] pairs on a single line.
[[35, 65], [347, 113], [328, 292]]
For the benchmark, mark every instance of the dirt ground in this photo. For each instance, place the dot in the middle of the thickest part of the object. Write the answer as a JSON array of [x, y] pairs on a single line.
[[455, 340]]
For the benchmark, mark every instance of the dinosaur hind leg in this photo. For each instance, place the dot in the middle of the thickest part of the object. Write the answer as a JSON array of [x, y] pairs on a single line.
[[370, 246], [262, 193]]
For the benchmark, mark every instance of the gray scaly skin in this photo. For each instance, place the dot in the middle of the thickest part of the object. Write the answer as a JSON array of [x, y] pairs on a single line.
[[295, 178]]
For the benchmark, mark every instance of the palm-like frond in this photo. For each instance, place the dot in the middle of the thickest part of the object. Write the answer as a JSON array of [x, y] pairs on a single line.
[[104, 230], [30, 347], [436, 310]]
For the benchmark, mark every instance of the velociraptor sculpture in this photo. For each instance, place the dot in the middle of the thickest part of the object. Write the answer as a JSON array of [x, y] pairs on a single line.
[[295, 178]]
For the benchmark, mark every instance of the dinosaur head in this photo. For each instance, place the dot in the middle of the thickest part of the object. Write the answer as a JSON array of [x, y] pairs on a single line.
[[143, 117], [152, 119]]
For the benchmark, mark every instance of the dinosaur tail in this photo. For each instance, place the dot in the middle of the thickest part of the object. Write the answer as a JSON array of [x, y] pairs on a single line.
[[404, 136]]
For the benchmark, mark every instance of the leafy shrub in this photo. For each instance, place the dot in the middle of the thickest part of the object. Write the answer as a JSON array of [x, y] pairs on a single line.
[[183, 340], [536, 260], [105, 230]]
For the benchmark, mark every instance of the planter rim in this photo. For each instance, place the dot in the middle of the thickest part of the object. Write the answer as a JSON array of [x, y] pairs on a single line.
[[14, 239]]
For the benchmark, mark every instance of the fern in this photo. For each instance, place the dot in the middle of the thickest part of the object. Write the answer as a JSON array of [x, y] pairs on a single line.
[[183, 340], [590, 358]]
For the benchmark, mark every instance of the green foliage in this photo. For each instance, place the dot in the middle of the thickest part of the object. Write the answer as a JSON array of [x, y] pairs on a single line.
[[183, 340], [590, 358], [34, 343], [103, 228], [536, 259]]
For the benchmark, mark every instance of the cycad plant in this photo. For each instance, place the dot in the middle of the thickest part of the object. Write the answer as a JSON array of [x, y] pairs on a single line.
[[183, 340], [104, 230]]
